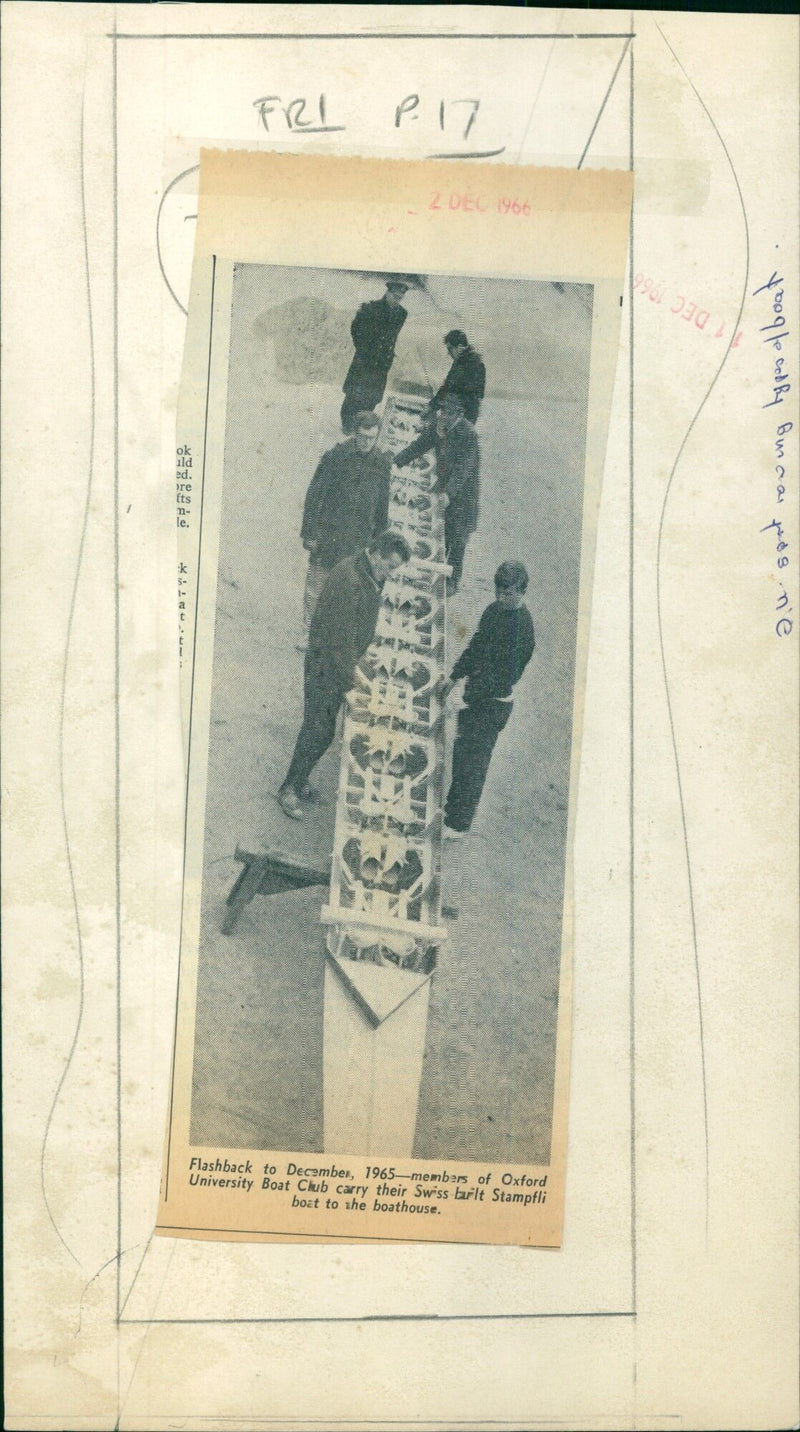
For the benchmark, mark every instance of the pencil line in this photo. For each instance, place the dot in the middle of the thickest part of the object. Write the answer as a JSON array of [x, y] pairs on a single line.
[[120, 1318], [673, 736], [472, 154], [378, 1318], [539, 89], [148, 1322], [87, 1285], [117, 683], [193, 169], [65, 669], [392, 35], [260, 1233], [632, 725], [631, 686], [590, 1423], [599, 114]]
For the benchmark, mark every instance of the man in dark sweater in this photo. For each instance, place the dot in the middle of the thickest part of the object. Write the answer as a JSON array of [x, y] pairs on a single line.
[[374, 332], [347, 504], [342, 628], [458, 464], [467, 376], [493, 662]]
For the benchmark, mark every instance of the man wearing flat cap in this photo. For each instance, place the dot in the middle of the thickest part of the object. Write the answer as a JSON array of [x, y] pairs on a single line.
[[374, 330], [467, 376]]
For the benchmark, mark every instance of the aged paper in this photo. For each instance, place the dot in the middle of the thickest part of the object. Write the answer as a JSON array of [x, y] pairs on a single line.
[[672, 1299], [393, 1120]]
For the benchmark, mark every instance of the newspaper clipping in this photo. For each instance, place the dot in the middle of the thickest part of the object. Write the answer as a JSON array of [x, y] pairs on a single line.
[[388, 474]]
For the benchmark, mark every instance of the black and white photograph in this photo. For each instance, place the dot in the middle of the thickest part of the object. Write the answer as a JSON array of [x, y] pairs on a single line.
[[391, 715]]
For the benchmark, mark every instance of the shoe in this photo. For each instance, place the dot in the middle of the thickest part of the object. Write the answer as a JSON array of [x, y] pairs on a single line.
[[450, 834], [289, 804]]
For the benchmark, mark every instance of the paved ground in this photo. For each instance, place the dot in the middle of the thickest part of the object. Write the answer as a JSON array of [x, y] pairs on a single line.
[[487, 1080]]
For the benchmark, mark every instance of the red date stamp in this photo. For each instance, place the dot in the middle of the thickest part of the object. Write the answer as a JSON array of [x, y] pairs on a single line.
[[477, 204], [682, 307]]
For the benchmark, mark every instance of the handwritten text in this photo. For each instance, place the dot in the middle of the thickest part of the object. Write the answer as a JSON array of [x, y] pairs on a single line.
[[774, 333], [454, 119]]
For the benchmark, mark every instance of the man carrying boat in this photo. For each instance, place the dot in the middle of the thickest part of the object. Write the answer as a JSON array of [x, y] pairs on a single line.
[[492, 663], [467, 375], [342, 627], [458, 476], [347, 504]]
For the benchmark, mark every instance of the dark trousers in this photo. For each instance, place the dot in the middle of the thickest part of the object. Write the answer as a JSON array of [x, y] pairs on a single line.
[[479, 726], [363, 399], [322, 700], [455, 545]]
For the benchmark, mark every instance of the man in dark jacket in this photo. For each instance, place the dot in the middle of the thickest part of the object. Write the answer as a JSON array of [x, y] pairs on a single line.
[[374, 330], [347, 504], [458, 472], [467, 376], [342, 628], [492, 663]]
